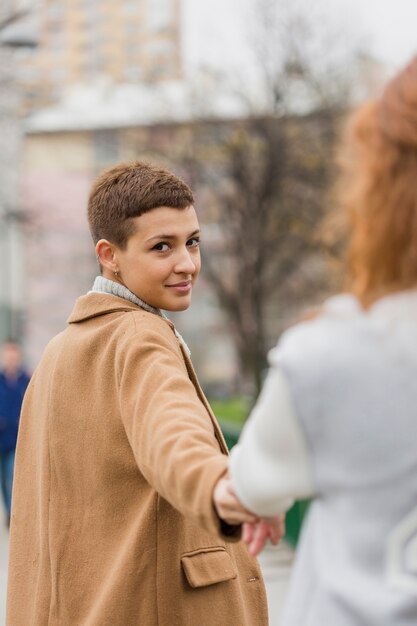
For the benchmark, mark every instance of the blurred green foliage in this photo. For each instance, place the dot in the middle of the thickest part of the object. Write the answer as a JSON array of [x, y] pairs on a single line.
[[234, 410]]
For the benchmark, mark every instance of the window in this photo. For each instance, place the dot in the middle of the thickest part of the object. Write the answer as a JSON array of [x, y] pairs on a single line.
[[159, 14], [132, 27], [58, 74], [161, 47], [55, 11], [130, 7], [56, 41], [133, 73]]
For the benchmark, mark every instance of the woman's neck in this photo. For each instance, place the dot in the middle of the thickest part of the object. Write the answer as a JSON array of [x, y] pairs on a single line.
[[105, 285]]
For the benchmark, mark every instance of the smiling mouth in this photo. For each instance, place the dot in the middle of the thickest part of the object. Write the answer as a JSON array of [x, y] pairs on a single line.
[[183, 283], [183, 287]]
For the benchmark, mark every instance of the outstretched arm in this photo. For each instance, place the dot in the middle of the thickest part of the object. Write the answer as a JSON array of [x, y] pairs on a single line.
[[170, 431]]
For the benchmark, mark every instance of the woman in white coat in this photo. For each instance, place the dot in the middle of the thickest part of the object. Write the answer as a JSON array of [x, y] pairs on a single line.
[[337, 418]]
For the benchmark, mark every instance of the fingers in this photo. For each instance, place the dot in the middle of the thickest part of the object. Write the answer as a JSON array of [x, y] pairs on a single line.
[[259, 537], [256, 535], [247, 533], [228, 506], [276, 528]]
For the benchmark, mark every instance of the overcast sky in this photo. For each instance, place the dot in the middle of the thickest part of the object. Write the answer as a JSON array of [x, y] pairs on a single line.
[[391, 25], [213, 30]]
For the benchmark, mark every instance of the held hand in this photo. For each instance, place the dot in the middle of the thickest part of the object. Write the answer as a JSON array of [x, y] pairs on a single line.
[[227, 505], [255, 535]]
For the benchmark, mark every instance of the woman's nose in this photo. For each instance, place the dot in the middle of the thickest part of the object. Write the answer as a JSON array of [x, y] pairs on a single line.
[[185, 264]]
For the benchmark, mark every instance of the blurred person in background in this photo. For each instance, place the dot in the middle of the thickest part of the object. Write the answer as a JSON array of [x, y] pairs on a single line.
[[119, 453], [13, 382], [337, 418]]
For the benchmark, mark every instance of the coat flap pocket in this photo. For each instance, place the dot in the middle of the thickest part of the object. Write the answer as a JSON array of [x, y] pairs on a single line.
[[208, 566]]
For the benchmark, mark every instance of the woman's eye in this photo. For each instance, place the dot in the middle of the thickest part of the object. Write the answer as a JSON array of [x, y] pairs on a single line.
[[161, 247], [192, 243]]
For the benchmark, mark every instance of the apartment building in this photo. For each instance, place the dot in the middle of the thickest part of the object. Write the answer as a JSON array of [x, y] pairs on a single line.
[[84, 41]]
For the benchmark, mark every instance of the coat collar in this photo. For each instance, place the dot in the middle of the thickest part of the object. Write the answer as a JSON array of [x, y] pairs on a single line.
[[96, 304]]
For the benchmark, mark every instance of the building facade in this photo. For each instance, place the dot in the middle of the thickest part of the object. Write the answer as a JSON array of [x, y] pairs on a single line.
[[87, 41]]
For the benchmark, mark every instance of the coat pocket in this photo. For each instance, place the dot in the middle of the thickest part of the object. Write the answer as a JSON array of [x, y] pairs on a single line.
[[208, 566]]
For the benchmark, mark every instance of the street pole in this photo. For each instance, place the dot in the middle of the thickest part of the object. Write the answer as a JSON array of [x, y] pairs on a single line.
[[11, 215]]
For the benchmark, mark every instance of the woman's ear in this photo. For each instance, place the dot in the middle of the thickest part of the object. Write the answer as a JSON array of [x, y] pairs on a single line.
[[106, 256]]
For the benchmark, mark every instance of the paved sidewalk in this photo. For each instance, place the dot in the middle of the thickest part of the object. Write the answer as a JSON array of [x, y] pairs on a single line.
[[276, 564]]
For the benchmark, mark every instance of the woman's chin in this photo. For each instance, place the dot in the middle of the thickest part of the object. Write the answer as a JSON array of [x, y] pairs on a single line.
[[182, 304]]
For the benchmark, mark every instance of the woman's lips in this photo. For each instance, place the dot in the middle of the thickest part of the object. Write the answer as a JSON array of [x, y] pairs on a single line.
[[183, 288]]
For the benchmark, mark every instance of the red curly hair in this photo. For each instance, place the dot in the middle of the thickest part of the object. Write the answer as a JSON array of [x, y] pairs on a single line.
[[378, 191]]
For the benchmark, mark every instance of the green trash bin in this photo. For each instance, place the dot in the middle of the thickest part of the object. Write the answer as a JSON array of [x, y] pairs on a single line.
[[295, 515]]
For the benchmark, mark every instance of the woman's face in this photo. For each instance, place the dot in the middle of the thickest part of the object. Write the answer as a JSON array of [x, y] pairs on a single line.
[[161, 261]]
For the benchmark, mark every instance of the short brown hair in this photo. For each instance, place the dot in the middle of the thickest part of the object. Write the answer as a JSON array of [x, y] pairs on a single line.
[[129, 190], [378, 191]]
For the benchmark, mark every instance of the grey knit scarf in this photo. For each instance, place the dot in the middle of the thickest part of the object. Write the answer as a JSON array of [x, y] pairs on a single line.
[[111, 287]]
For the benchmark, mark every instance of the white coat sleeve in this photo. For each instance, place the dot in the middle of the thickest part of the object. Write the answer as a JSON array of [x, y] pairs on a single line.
[[270, 466]]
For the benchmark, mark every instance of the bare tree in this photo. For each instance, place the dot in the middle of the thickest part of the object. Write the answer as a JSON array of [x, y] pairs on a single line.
[[268, 190], [273, 173], [302, 57]]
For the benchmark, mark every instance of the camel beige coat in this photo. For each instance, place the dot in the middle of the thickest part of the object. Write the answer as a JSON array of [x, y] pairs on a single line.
[[117, 457]]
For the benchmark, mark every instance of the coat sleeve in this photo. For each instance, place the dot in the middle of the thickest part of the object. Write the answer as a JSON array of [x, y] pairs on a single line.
[[270, 466], [169, 429]]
